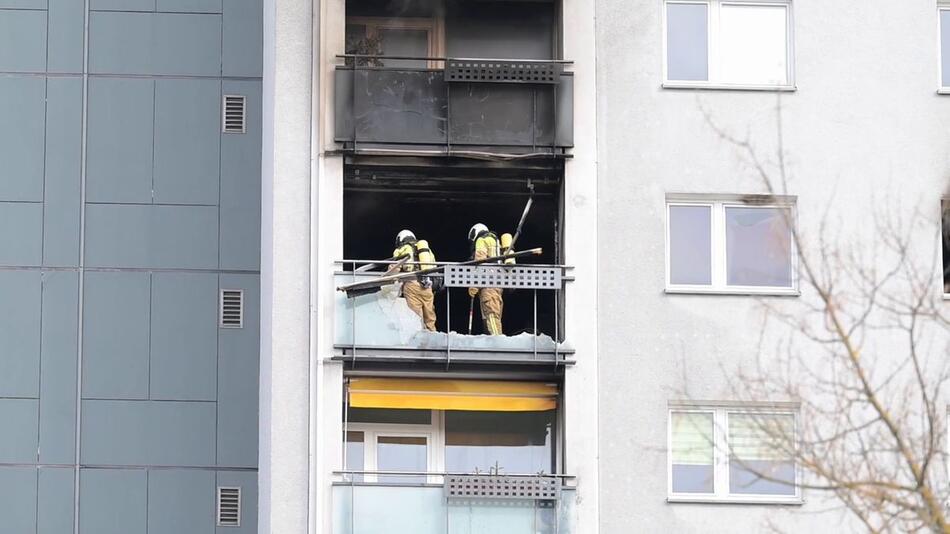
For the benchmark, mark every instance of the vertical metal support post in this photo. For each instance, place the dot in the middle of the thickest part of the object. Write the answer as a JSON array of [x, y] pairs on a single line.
[[557, 320], [448, 113], [534, 119], [535, 328], [356, 69], [353, 315], [554, 111], [448, 324]]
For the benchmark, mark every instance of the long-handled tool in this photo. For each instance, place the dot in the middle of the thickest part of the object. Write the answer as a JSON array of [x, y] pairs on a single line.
[[471, 314], [393, 278]]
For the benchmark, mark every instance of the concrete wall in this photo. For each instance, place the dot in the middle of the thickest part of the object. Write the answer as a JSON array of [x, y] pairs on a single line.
[[123, 210], [864, 131]]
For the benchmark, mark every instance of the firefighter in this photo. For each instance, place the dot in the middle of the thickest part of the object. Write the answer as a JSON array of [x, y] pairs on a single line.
[[417, 291], [485, 244]]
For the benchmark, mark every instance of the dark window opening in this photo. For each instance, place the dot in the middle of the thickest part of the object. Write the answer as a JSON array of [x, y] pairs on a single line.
[[945, 233]]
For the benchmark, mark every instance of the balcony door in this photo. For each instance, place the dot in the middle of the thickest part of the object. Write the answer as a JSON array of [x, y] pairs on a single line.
[[417, 37]]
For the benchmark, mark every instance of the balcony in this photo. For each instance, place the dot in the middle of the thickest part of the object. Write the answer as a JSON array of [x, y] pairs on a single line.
[[360, 508], [456, 107], [381, 326]]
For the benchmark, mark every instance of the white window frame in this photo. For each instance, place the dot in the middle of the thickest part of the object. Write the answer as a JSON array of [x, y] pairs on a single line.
[[721, 457], [943, 5], [718, 256], [435, 442], [712, 47]]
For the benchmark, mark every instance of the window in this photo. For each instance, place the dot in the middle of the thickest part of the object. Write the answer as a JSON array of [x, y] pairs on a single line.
[[943, 47], [717, 43], [732, 454], [455, 441], [395, 36], [945, 238], [737, 246]]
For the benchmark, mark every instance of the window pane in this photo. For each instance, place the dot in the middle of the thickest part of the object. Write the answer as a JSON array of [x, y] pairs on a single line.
[[390, 416], [945, 47], [690, 245], [515, 442], [686, 42], [691, 452], [414, 43], [946, 246], [354, 454], [758, 247], [401, 453], [753, 44], [758, 461]]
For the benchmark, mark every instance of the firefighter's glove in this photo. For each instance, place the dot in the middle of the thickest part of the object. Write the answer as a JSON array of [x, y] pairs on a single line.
[[472, 291]]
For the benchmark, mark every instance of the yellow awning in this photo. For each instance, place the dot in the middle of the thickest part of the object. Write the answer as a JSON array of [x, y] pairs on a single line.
[[434, 394]]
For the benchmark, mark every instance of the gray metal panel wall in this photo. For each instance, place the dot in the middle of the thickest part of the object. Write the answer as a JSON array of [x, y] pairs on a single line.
[[119, 394]]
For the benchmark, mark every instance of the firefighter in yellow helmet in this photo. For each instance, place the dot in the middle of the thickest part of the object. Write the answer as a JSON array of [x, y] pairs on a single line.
[[485, 244], [417, 291]]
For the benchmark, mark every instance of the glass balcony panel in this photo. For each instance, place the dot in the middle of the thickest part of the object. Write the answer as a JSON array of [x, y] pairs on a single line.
[[370, 509]]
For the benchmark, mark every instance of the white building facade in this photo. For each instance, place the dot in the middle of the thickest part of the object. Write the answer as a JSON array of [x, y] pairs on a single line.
[[657, 227]]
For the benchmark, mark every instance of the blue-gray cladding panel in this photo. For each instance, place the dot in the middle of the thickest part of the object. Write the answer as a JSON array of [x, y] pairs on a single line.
[[248, 484], [184, 345], [23, 4], [66, 26], [115, 335], [18, 500], [190, 6], [63, 169], [20, 333], [181, 502], [20, 416], [58, 367], [22, 40], [184, 237], [122, 5], [187, 141], [113, 501], [21, 233], [155, 43], [22, 102], [241, 185], [56, 491], [243, 38], [119, 140], [165, 433], [238, 378]]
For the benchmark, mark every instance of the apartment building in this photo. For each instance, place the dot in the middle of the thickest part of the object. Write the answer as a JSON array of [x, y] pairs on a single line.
[[187, 185]]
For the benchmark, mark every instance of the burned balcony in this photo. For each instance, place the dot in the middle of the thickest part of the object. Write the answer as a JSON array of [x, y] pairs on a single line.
[[380, 325], [454, 107]]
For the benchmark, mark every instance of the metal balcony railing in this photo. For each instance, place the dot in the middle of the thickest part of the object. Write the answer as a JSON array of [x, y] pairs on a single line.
[[382, 325], [545, 505], [454, 106]]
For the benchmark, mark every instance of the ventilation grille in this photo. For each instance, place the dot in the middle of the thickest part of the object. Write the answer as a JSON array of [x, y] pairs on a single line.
[[235, 116], [229, 507], [514, 276], [232, 308], [478, 487], [502, 72]]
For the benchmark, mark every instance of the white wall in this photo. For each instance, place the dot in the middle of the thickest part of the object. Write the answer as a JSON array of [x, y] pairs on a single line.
[[285, 268], [864, 129]]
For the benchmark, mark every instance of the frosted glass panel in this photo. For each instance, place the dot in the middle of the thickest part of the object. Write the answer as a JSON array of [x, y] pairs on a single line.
[[687, 43], [758, 247], [690, 245], [753, 44], [691, 452]]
